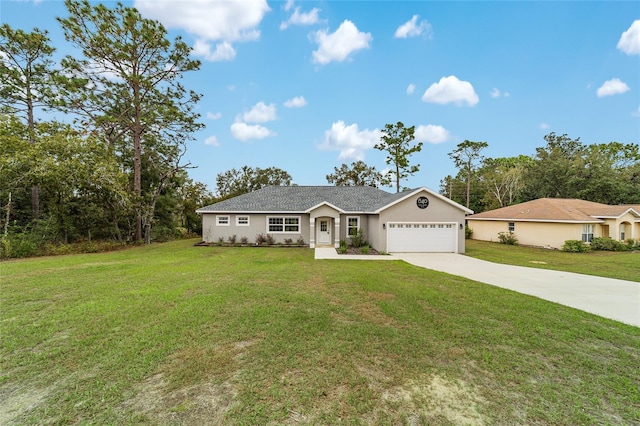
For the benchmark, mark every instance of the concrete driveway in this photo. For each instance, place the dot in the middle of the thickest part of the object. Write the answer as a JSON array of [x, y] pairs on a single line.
[[607, 297]]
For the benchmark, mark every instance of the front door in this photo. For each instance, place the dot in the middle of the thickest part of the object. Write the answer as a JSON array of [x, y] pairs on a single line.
[[324, 231]]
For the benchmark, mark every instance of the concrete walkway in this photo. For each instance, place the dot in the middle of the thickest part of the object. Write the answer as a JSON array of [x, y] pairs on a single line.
[[610, 298]]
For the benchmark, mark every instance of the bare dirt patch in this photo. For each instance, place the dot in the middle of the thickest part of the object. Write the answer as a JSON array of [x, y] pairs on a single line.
[[201, 404], [14, 403], [435, 398]]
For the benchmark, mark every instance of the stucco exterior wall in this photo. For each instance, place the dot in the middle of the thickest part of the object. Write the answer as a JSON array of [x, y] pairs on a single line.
[[550, 234], [437, 211], [540, 234], [631, 227], [257, 225]]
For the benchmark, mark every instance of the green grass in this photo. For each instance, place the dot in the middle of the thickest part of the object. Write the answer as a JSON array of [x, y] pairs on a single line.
[[620, 265], [177, 334]]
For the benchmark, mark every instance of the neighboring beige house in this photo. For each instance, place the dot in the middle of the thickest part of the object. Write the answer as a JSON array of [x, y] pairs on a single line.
[[417, 220], [549, 222]]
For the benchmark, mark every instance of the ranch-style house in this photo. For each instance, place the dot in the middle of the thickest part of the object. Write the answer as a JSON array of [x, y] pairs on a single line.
[[417, 220], [549, 222]]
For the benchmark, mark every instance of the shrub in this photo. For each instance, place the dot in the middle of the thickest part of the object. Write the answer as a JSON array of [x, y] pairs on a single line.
[[261, 239], [220, 241], [232, 239], [288, 241], [468, 232], [633, 244], [365, 249], [508, 238], [244, 240], [342, 249], [270, 240], [300, 241], [359, 240], [607, 244], [575, 246]]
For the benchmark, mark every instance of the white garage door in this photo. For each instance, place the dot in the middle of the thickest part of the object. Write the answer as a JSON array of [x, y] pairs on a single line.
[[421, 237]]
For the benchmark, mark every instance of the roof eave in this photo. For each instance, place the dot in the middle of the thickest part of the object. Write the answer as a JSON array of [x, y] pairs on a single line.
[[534, 220]]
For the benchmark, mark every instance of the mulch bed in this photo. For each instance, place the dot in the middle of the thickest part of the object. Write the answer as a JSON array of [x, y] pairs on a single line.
[[356, 250]]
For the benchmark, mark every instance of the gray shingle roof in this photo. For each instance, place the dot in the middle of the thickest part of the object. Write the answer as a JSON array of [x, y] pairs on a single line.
[[302, 198]]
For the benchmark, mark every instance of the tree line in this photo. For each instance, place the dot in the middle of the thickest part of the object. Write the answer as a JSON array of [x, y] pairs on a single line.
[[116, 171], [607, 173]]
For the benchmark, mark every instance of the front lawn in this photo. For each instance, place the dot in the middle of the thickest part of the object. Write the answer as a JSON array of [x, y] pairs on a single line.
[[620, 265], [176, 334]]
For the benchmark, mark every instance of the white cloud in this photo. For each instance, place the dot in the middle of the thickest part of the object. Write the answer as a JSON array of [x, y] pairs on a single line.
[[411, 28], [411, 88], [301, 18], [212, 140], [615, 86], [224, 51], [244, 131], [260, 113], [288, 5], [221, 21], [496, 93], [339, 45], [431, 133], [629, 41], [214, 116], [297, 102], [349, 140], [544, 126], [209, 20], [451, 90]]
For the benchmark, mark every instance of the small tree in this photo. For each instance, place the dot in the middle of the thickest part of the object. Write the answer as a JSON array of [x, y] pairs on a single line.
[[359, 174], [246, 179], [28, 81], [467, 156], [396, 141]]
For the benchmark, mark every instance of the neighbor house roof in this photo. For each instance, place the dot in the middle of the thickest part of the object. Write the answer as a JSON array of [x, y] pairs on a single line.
[[557, 210], [299, 199]]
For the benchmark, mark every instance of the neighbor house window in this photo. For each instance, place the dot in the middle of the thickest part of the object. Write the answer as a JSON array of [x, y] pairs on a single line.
[[353, 224], [222, 220], [242, 220], [622, 232], [512, 227], [283, 224], [587, 233]]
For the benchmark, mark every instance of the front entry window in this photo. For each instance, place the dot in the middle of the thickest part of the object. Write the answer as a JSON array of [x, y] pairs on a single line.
[[353, 224], [323, 226]]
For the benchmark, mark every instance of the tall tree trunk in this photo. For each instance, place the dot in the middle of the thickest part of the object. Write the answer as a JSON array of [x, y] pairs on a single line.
[[137, 165], [35, 201], [7, 217], [31, 124], [468, 185]]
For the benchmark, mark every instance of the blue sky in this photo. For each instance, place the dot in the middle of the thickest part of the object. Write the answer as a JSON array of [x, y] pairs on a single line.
[[307, 85]]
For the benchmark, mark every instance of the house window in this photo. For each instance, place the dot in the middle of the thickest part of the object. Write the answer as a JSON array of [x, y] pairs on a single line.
[[622, 232], [353, 224], [587, 233], [242, 220], [222, 220], [512, 227], [283, 224]]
